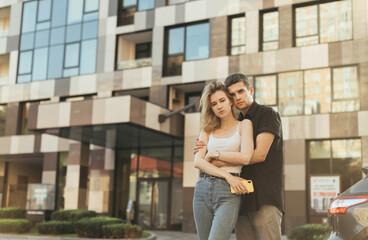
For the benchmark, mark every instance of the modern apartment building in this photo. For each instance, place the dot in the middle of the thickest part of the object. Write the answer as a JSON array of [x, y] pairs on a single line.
[[87, 87]]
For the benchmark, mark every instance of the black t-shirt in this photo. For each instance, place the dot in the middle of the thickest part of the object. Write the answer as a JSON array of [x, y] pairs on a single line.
[[267, 176]]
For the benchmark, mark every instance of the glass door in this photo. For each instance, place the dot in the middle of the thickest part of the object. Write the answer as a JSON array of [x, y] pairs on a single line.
[[153, 205]]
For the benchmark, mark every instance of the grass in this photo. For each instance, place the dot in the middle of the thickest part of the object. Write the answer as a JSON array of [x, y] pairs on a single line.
[[34, 232]]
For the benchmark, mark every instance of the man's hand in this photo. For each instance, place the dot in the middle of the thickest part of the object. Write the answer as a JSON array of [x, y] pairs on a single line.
[[198, 145], [219, 163]]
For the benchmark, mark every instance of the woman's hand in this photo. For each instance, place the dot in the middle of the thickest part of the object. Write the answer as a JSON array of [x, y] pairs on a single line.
[[209, 156], [236, 184]]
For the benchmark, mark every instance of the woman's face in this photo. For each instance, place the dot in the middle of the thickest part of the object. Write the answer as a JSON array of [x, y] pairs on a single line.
[[220, 104]]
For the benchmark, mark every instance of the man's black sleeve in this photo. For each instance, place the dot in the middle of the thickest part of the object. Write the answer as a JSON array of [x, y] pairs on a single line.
[[270, 121]]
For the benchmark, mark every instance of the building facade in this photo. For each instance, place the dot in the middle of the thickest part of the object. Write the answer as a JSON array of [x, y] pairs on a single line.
[[86, 88]]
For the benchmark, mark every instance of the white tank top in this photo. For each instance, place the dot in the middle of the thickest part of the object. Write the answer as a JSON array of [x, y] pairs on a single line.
[[230, 144]]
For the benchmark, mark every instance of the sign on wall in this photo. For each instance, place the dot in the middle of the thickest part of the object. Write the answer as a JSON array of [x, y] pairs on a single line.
[[322, 190], [41, 197]]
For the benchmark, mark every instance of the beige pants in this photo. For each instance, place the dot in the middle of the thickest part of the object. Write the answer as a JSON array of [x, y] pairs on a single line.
[[264, 224]]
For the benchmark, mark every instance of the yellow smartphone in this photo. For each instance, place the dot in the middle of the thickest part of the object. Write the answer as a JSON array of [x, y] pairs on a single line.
[[248, 184]]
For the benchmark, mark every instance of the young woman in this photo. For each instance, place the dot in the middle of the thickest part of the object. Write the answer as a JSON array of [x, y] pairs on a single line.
[[215, 207]]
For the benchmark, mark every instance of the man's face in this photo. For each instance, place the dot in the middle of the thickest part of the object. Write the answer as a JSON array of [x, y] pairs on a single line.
[[243, 97]]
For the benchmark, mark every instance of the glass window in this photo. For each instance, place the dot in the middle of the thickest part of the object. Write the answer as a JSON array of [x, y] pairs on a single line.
[[57, 36], [129, 3], [25, 62], [290, 93], [345, 89], [176, 41], [237, 35], [61, 179], [2, 119], [143, 50], [75, 11], [90, 16], [90, 30], [71, 72], [42, 38], [342, 157], [145, 5], [91, 5], [265, 90], [270, 30], [317, 90], [40, 64], [24, 119], [197, 41], [64, 17], [88, 57], [44, 10], [325, 22], [56, 60], [155, 162], [59, 13], [73, 33], [71, 55], [29, 16], [43, 25], [336, 21], [27, 41]]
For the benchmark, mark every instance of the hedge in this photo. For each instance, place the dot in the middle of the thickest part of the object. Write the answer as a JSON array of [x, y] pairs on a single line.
[[122, 230], [12, 213], [15, 226], [92, 227], [55, 227], [309, 231], [72, 215]]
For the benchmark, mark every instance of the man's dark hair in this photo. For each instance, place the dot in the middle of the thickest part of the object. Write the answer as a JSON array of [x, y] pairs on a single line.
[[235, 78]]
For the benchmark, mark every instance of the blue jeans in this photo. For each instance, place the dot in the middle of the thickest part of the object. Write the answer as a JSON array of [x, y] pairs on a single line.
[[215, 209]]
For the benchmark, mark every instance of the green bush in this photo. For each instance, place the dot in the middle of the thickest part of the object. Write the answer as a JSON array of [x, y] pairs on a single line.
[[92, 227], [122, 230], [113, 231], [13, 213], [15, 226], [321, 237], [309, 231], [72, 215], [55, 227]]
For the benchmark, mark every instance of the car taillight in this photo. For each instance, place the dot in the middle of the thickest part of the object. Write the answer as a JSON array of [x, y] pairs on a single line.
[[341, 204]]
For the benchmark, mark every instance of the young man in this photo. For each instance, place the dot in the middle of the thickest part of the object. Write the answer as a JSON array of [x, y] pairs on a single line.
[[261, 212]]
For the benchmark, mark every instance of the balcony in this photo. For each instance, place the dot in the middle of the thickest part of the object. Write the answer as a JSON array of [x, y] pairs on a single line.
[[134, 50], [4, 21], [4, 69]]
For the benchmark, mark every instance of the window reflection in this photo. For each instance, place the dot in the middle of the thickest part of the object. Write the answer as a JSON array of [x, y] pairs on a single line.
[[155, 162], [290, 91], [317, 89], [336, 21], [345, 89], [270, 31], [238, 34], [2, 119], [322, 23], [197, 41], [342, 157], [195, 45], [265, 90], [44, 25]]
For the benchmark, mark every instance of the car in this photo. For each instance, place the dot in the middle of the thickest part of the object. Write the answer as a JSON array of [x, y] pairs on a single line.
[[348, 212]]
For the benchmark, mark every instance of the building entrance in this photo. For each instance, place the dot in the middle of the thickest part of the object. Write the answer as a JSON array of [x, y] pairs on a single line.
[[153, 203]]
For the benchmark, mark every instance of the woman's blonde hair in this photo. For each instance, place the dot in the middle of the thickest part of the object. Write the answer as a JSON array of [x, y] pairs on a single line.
[[209, 120]]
